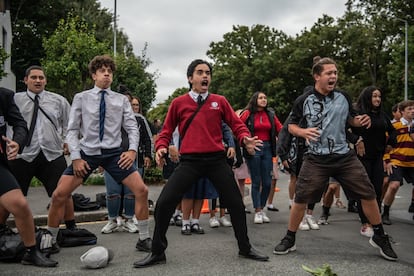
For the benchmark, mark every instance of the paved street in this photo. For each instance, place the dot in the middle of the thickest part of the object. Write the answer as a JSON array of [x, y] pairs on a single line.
[[338, 244]]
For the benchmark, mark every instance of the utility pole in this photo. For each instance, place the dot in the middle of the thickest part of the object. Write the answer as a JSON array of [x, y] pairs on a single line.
[[115, 28]]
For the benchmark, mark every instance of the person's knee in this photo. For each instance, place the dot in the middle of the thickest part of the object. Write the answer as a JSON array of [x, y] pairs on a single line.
[[393, 187], [130, 196], [111, 197]]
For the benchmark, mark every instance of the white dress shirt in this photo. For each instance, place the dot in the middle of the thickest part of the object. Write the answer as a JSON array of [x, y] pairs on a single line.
[[47, 136], [83, 127]]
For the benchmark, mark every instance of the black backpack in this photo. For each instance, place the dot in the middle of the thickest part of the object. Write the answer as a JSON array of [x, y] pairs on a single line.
[[75, 237]]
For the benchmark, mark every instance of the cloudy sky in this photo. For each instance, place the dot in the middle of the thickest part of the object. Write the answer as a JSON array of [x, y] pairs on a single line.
[[178, 31]]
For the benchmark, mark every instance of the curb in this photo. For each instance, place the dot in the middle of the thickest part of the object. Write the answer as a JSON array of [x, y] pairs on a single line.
[[80, 217]]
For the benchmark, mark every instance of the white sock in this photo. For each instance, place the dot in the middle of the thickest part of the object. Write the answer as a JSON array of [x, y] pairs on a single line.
[[291, 202], [143, 229], [194, 221], [269, 205], [186, 221], [54, 231], [177, 212]]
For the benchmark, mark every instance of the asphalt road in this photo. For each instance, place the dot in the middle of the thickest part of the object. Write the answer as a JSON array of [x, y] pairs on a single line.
[[338, 244]]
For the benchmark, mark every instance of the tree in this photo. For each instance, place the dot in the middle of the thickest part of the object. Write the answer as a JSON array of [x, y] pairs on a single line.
[[68, 52], [131, 72], [3, 57], [160, 111], [34, 21]]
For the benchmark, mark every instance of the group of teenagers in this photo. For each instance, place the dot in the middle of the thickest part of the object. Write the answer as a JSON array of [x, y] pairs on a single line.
[[319, 122]]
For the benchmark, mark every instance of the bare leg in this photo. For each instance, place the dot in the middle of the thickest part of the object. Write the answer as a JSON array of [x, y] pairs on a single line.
[[371, 211], [296, 215], [135, 183]]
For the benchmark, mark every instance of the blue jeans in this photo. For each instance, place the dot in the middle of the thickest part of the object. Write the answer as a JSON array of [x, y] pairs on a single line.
[[113, 197], [260, 166]]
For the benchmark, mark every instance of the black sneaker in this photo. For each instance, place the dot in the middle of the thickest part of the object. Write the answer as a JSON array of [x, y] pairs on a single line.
[[323, 220], [286, 245], [144, 245], [386, 219], [411, 208], [38, 259], [384, 245]]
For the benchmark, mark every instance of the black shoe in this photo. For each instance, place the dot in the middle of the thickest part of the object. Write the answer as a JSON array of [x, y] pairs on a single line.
[[54, 249], [186, 230], [352, 208], [144, 245], [254, 255], [247, 211], [286, 245], [197, 229], [38, 259], [411, 208], [386, 219], [384, 245], [274, 209], [151, 259], [178, 220]]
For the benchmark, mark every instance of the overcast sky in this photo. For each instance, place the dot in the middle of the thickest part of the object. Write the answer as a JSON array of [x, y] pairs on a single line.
[[178, 31]]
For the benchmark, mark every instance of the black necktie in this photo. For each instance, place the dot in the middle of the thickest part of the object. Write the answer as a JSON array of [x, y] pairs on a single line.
[[34, 118], [102, 108], [199, 100]]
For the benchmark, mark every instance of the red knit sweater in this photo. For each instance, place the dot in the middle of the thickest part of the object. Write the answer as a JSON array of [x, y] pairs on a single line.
[[204, 134]]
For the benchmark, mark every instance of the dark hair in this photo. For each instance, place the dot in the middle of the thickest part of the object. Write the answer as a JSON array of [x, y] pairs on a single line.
[[194, 64], [125, 91], [100, 61], [394, 108], [364, 102], [318, 64], [252, 104], [33, 67]]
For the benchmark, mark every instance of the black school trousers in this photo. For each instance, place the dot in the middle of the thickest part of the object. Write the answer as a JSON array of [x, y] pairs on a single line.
[[190, 169]]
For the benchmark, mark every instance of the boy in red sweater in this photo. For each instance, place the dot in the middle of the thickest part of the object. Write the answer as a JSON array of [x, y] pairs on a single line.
[[201, 155]]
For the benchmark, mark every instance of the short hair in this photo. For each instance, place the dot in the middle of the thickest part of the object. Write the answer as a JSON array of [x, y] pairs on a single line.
[[194, 64], [33, 67], [404, 104], [319, 62], [100, 61]]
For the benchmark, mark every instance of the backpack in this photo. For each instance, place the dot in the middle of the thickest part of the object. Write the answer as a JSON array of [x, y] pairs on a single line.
[[12, 248], [75, 237]]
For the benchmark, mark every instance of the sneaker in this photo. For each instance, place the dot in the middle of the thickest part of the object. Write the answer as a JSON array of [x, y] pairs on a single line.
[[225, 222], [214, 223], [265, 218], [384, 245], [134, 220], [323, 220], [311, 222], [304, 226], [386, 219], [258, 219], [411, 208], [144, 245], [129, 226], [286, 245], [197, 229], [339, 204], [110, 227], [366, 231], [119, 221]]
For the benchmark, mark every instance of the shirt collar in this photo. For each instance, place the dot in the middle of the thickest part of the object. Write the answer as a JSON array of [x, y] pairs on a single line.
[[321, 96], [194, 95], [33, 95], [97, 90], [405, 122]]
